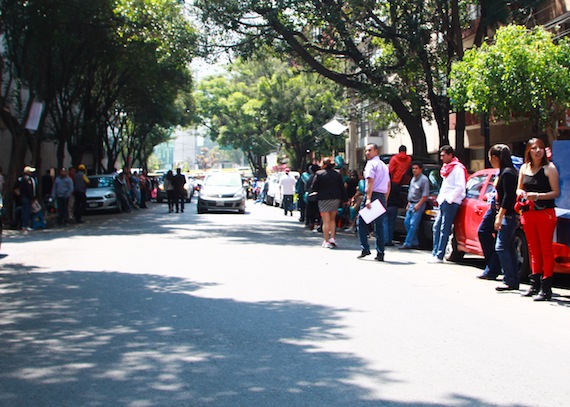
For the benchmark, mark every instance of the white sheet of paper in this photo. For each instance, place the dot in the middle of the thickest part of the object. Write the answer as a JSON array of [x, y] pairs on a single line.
[[376, 209]]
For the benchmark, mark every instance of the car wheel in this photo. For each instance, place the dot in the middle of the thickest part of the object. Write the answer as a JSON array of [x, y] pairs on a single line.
[[521, 255], [452, 253]]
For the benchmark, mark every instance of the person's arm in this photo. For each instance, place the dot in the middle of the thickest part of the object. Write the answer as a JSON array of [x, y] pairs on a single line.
[[520, 189], [369, 187], [458, 182]]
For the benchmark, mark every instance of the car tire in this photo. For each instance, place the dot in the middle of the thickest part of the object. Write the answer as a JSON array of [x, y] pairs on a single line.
[[452, 253], [522, 255]]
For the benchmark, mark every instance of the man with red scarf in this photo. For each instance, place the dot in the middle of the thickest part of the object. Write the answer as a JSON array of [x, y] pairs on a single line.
[[449, 198]]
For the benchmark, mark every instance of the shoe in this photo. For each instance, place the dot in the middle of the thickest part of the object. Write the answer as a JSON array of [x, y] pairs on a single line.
[[486, 277], [505, 287], [350, 230], [291, 214], [379, 257], [435, 260], [332, 241], [364, 253], [327, 245], [404, 247]]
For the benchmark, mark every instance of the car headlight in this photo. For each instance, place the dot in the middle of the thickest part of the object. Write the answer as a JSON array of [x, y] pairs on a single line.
[[109, 195], [239, 194]]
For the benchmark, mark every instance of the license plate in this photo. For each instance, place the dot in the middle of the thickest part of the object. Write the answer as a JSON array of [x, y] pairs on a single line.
[[219, 203], [93, 204]]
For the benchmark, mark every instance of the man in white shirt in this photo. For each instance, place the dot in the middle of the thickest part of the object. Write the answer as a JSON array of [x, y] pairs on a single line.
[[287, 187], [449, 198]]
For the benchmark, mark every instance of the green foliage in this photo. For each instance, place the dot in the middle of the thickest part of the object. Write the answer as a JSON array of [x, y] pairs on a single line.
[[523, 73], [266, 104]]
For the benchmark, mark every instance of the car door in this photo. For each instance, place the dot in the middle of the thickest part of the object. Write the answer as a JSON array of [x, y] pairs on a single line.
[[471, 212]]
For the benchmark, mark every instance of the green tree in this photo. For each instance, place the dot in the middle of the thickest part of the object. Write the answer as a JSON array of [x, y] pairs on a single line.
[[523, 74]]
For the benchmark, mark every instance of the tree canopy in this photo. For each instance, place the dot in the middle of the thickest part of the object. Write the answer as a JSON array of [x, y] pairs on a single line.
[[395, 51], [269, 105], [524, 73]]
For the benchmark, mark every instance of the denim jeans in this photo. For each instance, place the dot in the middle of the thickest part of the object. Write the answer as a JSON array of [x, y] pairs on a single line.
[[378, 226], [505, 249], [286, 203], [412, 223], [442, 227], [486, 233], [390, 224]]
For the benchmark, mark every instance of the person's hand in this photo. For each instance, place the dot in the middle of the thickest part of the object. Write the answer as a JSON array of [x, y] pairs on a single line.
[[368, 203], [498, 223]]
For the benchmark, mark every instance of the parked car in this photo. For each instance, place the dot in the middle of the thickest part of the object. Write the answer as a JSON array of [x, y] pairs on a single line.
[[469, 216], [222, 192], [188, 187], [425, 231], [101, 193]]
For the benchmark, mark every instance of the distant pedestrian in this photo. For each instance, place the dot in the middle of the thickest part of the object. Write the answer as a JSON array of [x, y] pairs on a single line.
[[377, 186], [178, 182], [450, 196], [28, 192], [418, 193], [287, 188], [80, 193], [61, 192], [331, 193]]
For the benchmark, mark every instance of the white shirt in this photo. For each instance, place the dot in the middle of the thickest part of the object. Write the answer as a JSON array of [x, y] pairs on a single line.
[[287, 184], [453, 187]]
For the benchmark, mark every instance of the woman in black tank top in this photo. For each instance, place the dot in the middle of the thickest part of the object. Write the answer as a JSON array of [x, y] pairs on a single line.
[[539, 183]]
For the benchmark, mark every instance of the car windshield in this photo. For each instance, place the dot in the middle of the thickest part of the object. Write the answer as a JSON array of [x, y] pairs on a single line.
[[434, 178], [223, 180], [100, 182]]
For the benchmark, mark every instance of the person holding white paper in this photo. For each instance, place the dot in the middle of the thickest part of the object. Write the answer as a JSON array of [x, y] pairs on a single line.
[[377, 187]]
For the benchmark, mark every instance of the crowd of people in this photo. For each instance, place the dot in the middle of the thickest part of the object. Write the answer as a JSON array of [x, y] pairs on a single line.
[[66, 195], [329, 200]]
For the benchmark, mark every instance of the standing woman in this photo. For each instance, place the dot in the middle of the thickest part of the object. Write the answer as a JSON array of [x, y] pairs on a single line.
[[539, 184], [331, 193], [169, 188], [506, 219]]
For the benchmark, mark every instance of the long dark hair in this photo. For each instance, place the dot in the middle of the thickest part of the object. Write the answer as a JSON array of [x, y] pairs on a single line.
[[504, 153]]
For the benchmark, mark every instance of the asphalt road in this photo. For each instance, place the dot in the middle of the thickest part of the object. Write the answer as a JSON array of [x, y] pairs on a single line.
[[158, 309]]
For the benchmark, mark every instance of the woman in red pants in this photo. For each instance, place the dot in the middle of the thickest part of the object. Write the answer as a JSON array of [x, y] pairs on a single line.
[[539, 184]]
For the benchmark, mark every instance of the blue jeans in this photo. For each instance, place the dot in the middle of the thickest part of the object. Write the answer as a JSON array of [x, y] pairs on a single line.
[[505, 249], [442, 227], [378, 226], [486, 233], [412, 223], [390, 224]]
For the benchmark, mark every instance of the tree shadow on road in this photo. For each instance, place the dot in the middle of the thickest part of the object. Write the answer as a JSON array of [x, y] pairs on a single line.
[[80, 338]]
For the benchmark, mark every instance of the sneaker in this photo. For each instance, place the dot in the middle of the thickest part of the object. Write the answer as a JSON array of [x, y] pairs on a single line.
[[435, 259], [332, 241], [327, 245], [350, 230]]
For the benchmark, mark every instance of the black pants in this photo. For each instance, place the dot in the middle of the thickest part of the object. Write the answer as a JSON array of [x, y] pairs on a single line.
[[80, 204], [180, 198]]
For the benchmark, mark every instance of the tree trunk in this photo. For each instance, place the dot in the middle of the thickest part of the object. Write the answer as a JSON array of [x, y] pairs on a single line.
[[414, 126]]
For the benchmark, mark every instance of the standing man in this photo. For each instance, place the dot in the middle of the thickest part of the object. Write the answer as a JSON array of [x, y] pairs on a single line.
[[62, 190], [450, 196], [178, 182], [377, 186], [418, 193], [28, 192], [80, 193], [287, 187]]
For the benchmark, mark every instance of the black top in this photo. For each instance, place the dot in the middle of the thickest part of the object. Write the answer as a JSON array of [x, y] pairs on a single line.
[[538, 183], [507, 190], [329, 185]]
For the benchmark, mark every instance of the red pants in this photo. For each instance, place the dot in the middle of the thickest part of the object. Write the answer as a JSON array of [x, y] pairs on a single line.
[[539, 228]]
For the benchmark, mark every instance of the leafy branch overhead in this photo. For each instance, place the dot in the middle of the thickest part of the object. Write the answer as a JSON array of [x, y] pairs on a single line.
[[524, 73]]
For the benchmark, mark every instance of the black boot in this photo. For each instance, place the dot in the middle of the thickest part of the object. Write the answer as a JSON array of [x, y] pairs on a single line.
[[534, 285], [545, 293]]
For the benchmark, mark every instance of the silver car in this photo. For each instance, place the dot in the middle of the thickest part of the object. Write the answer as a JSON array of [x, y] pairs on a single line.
[[101, 194], [222, 192]]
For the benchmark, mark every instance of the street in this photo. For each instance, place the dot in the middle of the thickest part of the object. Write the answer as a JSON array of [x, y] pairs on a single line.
[[158, 309]]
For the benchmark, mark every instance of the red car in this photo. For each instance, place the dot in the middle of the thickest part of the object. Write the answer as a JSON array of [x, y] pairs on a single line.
[[465, 238]]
